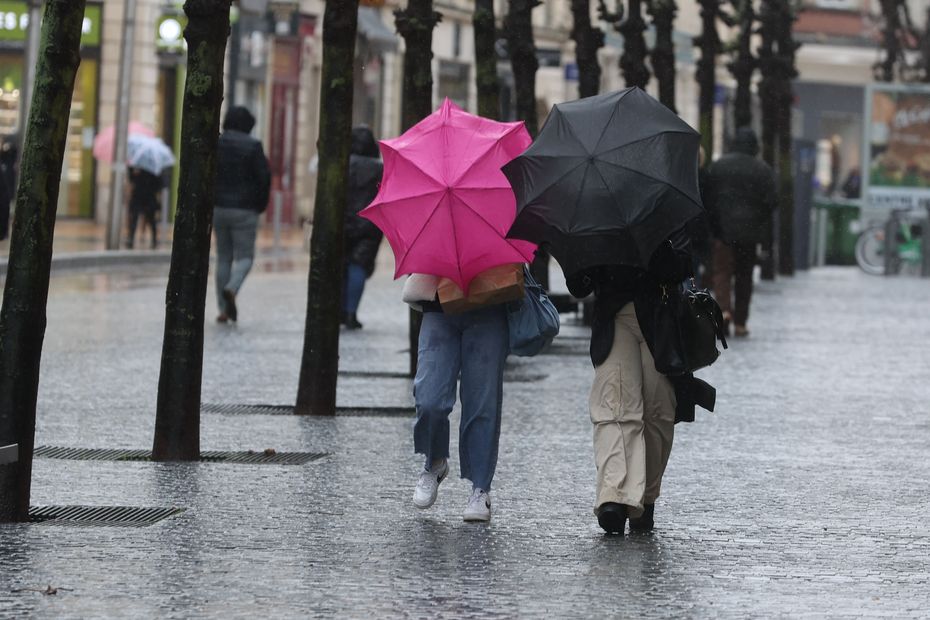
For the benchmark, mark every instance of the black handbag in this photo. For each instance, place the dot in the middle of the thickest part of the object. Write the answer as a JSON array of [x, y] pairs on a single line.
[[688, 323]]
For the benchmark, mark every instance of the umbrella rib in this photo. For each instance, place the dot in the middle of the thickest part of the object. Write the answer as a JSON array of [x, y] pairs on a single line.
[[455, 240], [492, 145], [556, 181], [643, 139], [481, 217], [648, 176], [613, 113], [419, 233]]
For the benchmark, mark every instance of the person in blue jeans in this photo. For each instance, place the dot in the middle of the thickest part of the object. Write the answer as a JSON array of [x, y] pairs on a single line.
[[470, 347]]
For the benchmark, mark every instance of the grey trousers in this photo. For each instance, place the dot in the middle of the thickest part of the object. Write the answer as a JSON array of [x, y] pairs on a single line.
[[235, 231], [633, 413]]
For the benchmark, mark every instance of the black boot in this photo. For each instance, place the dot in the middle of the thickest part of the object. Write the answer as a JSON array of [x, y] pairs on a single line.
[[351, 321], [645, 522], [611, 516]]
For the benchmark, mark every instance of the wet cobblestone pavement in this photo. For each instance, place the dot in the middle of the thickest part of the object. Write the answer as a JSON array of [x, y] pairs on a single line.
[[804, 495]]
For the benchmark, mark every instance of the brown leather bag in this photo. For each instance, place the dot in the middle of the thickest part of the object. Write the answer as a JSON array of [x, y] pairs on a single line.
[[497, 285]]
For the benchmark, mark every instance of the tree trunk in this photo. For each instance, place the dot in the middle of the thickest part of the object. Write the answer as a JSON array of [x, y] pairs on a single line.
[[518, 28], [787, 49], [743, 65], [415, 24], [768, 90], [884, 70], [588, 40], [22, 317], [486, 81], [709, 43], [177, 421], [319, 367], [633, 60], [663, 52]]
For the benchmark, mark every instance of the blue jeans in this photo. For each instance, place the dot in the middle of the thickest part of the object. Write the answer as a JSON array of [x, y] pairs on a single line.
[[235, 231], [353, 287], [475, 345]]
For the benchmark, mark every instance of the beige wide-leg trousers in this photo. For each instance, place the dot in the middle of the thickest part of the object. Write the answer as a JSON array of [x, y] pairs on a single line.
[[633, 412]]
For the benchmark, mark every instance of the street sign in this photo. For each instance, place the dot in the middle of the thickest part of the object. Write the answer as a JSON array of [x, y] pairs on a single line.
[[9, 454]]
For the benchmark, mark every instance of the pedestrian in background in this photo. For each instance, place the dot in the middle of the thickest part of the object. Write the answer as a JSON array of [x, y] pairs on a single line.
[[472, 345], [740, 198], [633, 407], [143, 202], [243, 182], [8, 154], [362, 238]]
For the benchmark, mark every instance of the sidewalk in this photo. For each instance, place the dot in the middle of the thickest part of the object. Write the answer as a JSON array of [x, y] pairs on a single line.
[[805, 494], [81, 244]]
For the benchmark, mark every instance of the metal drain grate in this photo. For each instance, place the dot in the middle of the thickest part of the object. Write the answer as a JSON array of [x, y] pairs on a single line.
[[375, 374], [237, 409], [266, 457], [119, 516]]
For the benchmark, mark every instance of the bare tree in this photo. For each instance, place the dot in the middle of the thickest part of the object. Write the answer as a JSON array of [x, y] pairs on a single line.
[[588, 39], [177, 419], [743, 64], [319, 366], [415, 24], [662, 56], [486, 80], [518, 29], [709, 43], [23, 314], [631, 25]]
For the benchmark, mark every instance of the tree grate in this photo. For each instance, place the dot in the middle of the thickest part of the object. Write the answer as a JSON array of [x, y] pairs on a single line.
[[239, 409], [266, 457], [118, 516]]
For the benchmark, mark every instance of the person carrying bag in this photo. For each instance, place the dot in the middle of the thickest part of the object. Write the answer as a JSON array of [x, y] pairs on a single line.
[[533, 320]]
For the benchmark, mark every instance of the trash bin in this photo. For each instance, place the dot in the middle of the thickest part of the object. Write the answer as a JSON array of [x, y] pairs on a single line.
[[839, 238]]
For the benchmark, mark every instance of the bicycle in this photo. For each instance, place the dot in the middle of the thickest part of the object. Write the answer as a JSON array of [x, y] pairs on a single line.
[[873, 244]]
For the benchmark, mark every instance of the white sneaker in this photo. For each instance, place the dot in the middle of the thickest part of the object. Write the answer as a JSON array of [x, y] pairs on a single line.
[[424, 495], [479, 506]]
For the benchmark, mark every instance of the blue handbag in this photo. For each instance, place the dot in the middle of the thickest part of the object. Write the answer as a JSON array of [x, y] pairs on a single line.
[[533, 321]]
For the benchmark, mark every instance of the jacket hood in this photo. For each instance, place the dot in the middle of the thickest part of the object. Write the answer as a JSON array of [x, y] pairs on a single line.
[[745, 142], [239, 118], [363, 142]]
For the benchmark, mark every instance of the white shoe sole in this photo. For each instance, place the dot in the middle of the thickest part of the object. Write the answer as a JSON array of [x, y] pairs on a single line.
[[476, 518]]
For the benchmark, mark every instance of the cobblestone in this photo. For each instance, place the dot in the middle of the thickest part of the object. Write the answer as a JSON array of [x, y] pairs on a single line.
[[804, 495]]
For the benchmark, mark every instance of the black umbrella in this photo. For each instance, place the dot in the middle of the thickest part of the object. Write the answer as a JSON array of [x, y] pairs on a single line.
[[607, 180]]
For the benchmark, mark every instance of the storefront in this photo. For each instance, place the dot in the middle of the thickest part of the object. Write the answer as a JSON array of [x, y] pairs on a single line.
[[76, 198]]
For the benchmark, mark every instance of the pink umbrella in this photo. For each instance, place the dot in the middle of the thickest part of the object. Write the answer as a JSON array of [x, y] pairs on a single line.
[[444, 204], [103, 142]]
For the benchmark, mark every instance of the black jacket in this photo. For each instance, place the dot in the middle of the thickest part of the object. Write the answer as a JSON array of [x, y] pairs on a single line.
[[616, 286], [145, 188], [362, 237], [243, 179], [740, 194]]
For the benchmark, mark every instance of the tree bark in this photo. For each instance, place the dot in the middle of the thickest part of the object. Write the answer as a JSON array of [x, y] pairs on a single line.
[[23, 314], [633, 60], [588, 40], [319, 367], [415, 24], [518, 28], [663, 52], [891, 44], [787, 50], [709, 43], [743, 64], [486, 80], [177, 421], [769, 109]]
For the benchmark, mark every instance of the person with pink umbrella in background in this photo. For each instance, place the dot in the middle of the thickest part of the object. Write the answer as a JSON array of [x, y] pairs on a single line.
[[445, 207]]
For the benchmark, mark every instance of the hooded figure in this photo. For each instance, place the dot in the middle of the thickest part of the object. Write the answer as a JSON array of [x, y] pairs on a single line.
[[740, 199], [362, 238]]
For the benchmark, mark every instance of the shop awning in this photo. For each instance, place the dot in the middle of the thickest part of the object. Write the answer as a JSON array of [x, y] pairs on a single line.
[[379, 37]]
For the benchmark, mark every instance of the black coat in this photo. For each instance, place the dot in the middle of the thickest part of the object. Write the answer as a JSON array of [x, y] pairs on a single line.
[[243, 178], [362, 237], [740, 196], [616, 286], [145, 188]]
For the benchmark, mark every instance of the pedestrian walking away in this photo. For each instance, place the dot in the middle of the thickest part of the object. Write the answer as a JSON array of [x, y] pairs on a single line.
[[633, 407], [243, 181], [740, 198], [444, 206], [362, 238], [143, 202]]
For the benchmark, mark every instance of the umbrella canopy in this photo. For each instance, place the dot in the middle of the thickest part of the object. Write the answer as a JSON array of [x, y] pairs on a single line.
[[104, 141], [607, 180], [444, 204], [149, 154]]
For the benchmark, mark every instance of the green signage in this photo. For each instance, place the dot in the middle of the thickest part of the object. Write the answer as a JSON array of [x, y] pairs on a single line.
[[14, 21]]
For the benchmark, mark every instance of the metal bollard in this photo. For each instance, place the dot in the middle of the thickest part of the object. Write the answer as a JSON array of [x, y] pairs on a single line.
[[9, 454], [925, 247], [891, 242], [278, 206]]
